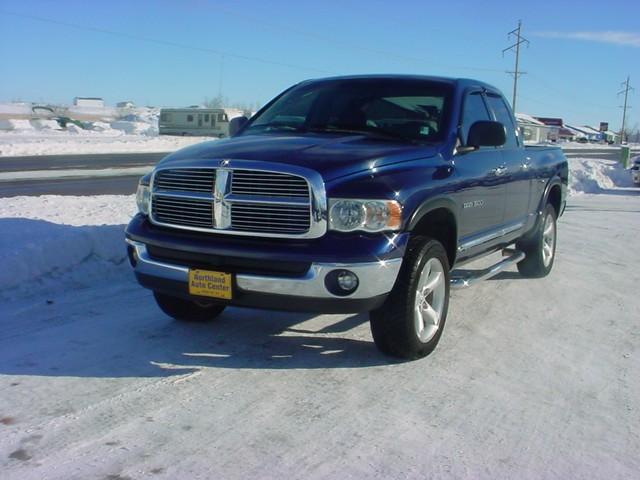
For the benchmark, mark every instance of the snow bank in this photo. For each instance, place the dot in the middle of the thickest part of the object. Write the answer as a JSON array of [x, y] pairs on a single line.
[[134, 127], [588, 175], [15, 124], [45, 124], [48, 240], [54, 142]]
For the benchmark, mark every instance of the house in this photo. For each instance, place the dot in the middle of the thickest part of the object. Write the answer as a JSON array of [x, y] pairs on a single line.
[[595, 134], [556, 125], [125, 104], [92, 102], [611, 137], [585, 133], [533, 130]]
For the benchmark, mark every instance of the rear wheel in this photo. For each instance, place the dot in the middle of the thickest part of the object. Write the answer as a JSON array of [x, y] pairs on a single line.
[[187, 310], [540, 250], [409, 324]]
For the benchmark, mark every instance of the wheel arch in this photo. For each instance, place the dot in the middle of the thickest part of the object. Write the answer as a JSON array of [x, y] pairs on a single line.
[[552, 194], [437, 219]]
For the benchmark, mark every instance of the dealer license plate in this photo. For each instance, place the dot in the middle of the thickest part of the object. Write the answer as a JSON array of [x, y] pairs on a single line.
[[208, 283]]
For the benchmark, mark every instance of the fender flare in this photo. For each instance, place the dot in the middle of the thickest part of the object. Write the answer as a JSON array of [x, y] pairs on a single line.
[[556, 180], [430, 205]]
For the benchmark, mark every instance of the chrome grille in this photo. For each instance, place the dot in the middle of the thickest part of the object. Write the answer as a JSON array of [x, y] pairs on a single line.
[[251, 182], [255, 217], [185, 180], [237, 201], [183, 211]]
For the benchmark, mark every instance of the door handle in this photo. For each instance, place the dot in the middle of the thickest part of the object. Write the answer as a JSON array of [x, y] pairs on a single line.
[[498, 171]]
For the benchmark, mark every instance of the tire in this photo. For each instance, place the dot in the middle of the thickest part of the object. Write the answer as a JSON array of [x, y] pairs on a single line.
[[540, 250], [400, 327], [187, 310]]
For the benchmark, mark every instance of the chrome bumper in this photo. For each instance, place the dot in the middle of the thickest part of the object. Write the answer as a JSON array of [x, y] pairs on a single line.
[[375, 278]]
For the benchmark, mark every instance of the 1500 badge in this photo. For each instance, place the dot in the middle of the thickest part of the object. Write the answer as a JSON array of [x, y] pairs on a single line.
[[475, 203]]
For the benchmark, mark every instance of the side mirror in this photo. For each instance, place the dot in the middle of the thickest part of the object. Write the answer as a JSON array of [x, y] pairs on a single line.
[[236, 124], [485, 133]]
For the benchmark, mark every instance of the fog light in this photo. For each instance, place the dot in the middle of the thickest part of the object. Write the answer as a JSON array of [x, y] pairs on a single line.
[[348, 281], [133, 256], [341, 282]]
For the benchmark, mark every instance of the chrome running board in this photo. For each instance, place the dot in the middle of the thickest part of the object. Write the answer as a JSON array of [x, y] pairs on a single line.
[[468, 278]]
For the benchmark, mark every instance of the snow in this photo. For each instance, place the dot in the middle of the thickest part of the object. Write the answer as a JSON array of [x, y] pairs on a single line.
[[136, 131], [592, 175], [48, 236], [74, 173], [533, 378], [81, 141]]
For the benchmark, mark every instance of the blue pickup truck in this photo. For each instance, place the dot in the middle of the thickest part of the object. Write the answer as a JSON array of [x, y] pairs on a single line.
[[350, 194]]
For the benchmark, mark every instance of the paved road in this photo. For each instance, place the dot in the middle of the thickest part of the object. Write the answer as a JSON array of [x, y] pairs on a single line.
[[93, 161], [126, 184], [117, 185]]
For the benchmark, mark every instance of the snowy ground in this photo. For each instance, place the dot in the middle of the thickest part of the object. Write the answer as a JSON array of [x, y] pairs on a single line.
[[15, 144], [532, 379]]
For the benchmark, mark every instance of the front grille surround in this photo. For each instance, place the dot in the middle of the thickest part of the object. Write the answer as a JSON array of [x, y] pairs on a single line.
[[240, 197]]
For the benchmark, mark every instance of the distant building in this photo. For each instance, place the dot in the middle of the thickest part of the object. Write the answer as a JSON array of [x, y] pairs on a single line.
[[611, 137], [93, 102], [556, 125], [595, 135], [533, 130], [126, 104], [586, 133]]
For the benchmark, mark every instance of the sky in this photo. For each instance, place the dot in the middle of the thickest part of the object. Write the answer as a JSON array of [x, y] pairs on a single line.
[[178, 53]]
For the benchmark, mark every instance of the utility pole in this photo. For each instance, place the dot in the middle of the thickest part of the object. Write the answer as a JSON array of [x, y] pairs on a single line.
[[516, 47], [627, 88]]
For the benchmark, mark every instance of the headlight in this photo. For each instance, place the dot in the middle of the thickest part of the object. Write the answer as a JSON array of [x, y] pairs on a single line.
[[143, 194], [347, 215]]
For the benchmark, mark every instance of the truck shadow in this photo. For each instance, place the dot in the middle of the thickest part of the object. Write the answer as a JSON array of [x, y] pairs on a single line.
[[79, 324], [162, 347]]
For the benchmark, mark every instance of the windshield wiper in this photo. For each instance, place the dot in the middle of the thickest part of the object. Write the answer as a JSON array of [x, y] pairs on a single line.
[[368, 130], [277, 126]]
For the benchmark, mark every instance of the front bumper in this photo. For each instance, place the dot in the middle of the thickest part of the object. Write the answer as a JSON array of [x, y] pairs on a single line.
[[305, 291]]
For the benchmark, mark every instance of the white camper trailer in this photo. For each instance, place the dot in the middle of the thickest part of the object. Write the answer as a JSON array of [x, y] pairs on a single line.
[[210, 122]]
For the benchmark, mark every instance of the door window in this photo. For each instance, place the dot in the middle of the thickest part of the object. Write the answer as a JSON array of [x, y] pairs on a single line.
[[473, 110]]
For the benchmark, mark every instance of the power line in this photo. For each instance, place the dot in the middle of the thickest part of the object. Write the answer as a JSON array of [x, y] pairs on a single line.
[[516, 72], [162, 42], [625, 107], [279, 27]]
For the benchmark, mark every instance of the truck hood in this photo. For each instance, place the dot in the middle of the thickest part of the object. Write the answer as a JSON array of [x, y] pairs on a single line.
[[331, 155]]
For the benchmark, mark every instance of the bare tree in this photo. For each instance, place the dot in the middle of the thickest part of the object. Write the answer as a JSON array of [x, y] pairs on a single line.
[[216, 102]]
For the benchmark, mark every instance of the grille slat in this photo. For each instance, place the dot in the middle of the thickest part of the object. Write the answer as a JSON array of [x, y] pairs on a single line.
[[185, 180], [268, 183], [260, 201], [276, 218], [183, 211]]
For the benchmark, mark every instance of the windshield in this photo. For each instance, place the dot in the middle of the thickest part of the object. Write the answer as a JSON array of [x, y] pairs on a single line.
[[401, 109]]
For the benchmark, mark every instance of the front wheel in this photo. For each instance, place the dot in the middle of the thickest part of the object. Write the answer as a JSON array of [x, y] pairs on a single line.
[[187, 310], [410, 322], [540, 250]]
